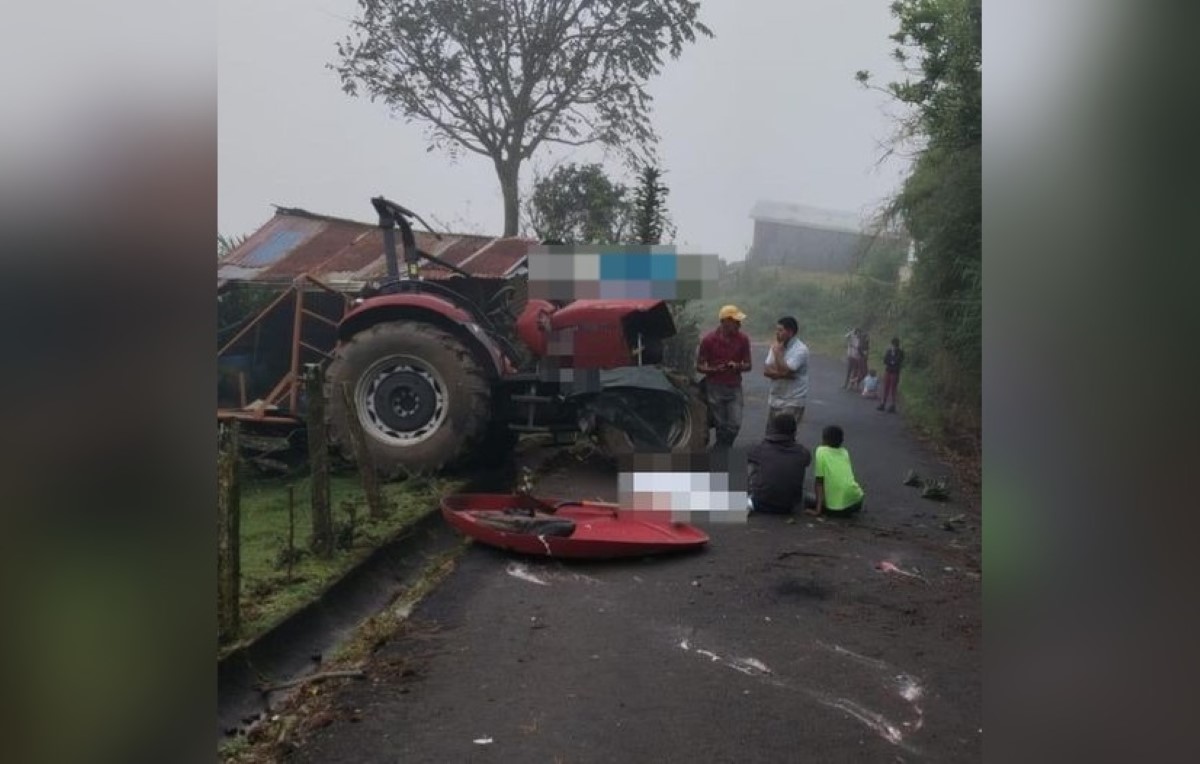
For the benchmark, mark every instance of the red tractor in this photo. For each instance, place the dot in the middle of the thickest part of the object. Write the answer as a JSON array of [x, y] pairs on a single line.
[[438, 377]]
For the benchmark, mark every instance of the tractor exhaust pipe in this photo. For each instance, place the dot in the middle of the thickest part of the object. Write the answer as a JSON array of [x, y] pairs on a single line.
[[391, 215]]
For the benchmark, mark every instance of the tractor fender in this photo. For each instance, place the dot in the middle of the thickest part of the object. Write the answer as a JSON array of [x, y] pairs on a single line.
[[429, 309]]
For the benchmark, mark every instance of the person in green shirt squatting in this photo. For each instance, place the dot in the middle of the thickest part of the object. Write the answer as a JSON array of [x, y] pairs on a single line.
[[838, 493]]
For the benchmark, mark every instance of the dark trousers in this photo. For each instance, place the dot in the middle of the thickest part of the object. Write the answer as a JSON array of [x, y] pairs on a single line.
[[891, 381], [725, 409], [853, 509]]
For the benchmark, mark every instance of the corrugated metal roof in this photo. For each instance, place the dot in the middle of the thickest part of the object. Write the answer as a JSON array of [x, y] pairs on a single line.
[[803, 215], [347, 254]]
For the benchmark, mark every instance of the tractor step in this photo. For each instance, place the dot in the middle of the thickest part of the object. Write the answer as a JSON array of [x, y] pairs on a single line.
[[542, 428], [532, 398]]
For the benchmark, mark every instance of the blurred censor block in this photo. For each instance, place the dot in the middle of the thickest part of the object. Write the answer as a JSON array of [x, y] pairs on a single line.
[[692, 488], [620, 272]]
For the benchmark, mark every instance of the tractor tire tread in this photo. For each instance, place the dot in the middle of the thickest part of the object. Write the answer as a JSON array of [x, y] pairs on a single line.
[[470, 380]]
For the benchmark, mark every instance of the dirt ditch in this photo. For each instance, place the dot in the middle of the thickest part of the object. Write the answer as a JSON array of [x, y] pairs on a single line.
[[299, 645]]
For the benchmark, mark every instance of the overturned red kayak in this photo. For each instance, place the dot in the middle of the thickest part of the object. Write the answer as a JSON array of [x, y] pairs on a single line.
[[567, 528]]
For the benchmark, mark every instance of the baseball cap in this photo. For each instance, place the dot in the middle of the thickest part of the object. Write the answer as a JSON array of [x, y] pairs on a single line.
[[731, 311]]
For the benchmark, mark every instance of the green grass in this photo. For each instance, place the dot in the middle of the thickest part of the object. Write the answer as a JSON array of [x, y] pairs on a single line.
[[267, 594]]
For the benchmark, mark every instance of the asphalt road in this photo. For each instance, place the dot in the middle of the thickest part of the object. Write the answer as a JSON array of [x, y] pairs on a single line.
[[779, 642]]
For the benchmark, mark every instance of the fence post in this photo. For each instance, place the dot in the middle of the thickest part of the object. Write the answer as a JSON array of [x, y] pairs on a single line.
[[366, 466], [291, 547], [318, 459], [228, 534]]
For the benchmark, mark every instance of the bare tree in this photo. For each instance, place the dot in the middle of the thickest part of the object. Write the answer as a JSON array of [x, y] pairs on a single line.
[[502, 77]]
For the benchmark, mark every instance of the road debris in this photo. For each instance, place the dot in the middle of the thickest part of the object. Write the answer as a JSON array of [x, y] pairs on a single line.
[[950, 523], [517, 570], [803, 553], [936, 490], [890, 567], [348, 674]]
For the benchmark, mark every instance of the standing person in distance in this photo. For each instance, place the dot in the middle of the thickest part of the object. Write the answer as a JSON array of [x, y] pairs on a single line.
[[851, 359], [893, 362], [723, 357], [864, 352], [787, 368]]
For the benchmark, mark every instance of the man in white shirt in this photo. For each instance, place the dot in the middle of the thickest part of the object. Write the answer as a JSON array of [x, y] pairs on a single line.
[[787, 368]]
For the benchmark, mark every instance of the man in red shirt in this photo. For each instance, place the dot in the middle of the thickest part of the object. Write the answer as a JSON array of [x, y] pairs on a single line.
[[723, 357]]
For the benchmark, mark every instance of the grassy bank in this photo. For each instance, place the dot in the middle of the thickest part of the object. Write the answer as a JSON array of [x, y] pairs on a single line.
[[269, 591]]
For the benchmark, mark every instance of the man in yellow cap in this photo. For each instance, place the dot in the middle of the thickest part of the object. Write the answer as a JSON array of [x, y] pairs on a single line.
[[723, 357]]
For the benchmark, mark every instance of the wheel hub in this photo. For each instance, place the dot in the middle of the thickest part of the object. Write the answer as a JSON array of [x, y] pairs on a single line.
[[402, 401]]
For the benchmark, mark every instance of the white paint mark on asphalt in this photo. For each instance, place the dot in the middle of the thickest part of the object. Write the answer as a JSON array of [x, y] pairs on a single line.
[[907, 686], [875, 721], [517, 570], [912, 691], [750, 666], [909, 689], [851, 654]]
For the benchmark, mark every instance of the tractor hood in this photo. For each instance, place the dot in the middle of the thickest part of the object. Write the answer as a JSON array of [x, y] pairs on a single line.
[[607, 334], [650, 318]]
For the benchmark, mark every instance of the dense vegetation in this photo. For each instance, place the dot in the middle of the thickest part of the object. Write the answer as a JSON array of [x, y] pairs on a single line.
[[940, 203]]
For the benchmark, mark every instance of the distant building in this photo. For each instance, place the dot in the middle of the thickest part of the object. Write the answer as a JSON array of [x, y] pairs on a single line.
[[806, 237]]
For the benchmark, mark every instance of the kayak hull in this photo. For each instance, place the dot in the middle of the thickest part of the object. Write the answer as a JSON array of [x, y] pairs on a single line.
[[568, 529]]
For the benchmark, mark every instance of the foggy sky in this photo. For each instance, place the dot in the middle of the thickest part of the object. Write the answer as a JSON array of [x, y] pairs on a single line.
[[768, 109]]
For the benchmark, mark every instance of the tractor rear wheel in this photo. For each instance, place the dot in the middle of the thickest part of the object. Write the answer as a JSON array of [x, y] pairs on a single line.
[[421, 398], [684, 418]]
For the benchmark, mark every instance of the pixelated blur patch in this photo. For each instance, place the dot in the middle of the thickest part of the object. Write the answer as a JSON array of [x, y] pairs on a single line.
[[692, 488], [620, 272]]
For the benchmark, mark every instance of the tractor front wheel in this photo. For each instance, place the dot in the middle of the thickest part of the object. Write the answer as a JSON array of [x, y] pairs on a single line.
[[680, 420]]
